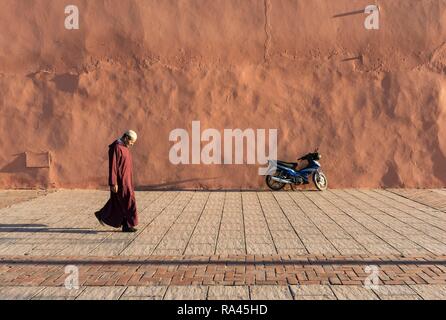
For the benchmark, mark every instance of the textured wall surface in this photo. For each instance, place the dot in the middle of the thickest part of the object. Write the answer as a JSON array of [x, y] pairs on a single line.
[[374, 101]]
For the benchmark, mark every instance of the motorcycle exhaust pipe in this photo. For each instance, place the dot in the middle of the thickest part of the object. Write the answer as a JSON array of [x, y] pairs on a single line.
[[281, 180]]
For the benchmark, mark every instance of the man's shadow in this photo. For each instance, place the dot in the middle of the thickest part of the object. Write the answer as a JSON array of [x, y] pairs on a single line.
[[31, 228], [172, 185]]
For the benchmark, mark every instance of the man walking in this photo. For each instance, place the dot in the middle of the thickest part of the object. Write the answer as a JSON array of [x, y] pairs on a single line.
[[120, 210]]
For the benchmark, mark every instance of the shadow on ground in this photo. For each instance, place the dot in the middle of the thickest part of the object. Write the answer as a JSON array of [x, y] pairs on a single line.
[[45, 229]]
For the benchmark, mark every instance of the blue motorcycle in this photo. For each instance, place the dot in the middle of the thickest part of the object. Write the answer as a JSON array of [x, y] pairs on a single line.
[[286, 173]]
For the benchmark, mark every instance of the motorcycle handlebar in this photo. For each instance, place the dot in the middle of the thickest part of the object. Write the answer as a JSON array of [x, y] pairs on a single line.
[[310, 156]]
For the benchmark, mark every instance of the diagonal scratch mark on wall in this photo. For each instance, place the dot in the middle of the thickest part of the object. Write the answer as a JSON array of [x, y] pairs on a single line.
[[267, 44]]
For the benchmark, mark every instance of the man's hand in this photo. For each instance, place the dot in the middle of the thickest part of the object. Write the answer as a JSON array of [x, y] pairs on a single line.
[[114, 189]]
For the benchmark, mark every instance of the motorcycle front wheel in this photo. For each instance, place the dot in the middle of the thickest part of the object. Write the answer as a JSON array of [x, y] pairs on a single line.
[[274, 185], [321, 181]]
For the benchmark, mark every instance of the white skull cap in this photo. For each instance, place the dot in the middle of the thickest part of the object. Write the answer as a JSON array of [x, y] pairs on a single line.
[[132, 134]]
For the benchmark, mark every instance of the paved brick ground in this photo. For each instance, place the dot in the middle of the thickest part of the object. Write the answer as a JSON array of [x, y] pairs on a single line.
[[247, 245], [431, 198], [223, 270], [8, 198]]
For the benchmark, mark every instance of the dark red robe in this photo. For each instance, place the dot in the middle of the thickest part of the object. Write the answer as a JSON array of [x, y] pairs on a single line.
[[121, 208]]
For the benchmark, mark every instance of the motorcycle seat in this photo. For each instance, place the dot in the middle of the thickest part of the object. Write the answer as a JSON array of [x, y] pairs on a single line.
[[291, 165]]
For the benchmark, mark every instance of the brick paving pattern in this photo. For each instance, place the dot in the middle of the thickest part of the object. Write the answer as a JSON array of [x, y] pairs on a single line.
[[432, 198], [8, 198], [242, 245], [223, 270]]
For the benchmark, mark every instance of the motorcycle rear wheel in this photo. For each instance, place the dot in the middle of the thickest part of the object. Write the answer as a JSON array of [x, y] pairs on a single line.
[[274, 185], [321, 181]]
